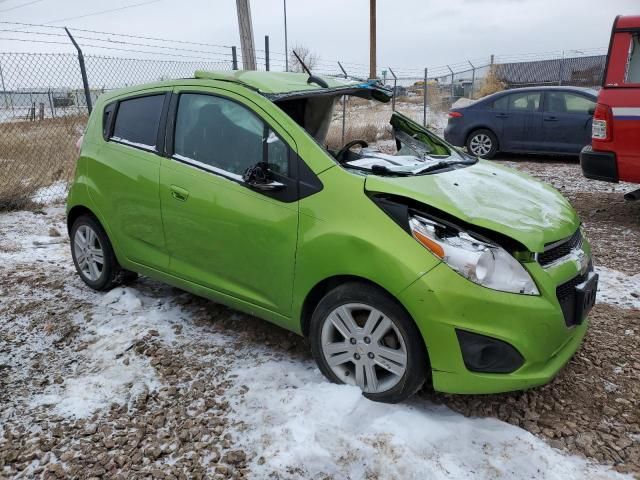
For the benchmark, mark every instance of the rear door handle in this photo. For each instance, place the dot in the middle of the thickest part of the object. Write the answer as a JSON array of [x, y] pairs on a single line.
[[179, 193], [550, 119], [501, 115]]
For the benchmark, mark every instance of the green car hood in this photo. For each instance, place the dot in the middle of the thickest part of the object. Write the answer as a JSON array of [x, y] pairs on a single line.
[[490, 196]]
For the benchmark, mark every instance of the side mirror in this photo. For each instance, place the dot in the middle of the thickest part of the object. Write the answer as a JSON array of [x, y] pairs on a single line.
[[259, 177]]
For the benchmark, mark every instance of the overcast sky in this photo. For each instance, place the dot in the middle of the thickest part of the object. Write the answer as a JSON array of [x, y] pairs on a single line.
[[411, 33]]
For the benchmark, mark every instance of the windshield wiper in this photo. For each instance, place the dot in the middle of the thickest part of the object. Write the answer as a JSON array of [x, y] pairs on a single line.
[[378, 170], [444, 164]]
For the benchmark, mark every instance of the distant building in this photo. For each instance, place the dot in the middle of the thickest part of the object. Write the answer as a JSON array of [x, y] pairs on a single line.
[[577, 71]]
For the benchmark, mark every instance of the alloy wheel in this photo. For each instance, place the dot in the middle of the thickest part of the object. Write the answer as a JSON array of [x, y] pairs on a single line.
[[480, 144], [364, 347], [88, 252]]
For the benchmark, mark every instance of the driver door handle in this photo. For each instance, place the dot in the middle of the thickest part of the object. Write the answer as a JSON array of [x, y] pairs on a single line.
[[179, 193]]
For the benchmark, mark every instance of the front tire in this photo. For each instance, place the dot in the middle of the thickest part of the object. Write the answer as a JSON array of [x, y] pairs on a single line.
[[482, 143], [93, 255], [360, 336]]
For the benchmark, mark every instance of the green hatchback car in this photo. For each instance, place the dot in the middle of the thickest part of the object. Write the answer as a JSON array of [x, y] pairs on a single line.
[[423, 264]]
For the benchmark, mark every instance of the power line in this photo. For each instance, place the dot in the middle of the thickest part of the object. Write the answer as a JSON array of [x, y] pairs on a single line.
[[102, 12], [211, 59], [120, 34], [121, 42], [20, 6], [157, 39]]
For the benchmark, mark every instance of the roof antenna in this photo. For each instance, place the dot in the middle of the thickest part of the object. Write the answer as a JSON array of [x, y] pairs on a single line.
[[312, 78]]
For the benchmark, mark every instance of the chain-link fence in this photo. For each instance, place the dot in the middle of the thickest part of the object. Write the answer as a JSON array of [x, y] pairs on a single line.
[[43, 112], [43, 105]]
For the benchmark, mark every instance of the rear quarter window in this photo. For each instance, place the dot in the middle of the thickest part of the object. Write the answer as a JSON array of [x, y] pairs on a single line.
[[137, 121], [106, 120]]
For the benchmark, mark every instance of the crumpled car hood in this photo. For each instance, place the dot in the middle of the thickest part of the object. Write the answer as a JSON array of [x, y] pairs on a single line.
[[493, 197]]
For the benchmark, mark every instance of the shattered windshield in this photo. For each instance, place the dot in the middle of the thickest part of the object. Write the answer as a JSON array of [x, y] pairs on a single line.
[[397, 147], [416, 152]]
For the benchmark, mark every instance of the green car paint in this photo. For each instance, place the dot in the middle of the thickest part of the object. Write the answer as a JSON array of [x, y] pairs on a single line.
[[221, 240]]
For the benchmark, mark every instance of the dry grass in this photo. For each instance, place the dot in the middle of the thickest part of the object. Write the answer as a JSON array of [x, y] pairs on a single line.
[[436, 99], [34, 155], [415, 99], [491, 84], [366, 120]]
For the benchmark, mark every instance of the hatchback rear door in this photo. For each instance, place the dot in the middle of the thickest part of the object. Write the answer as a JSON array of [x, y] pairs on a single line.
[[125, 175], [567, 121]]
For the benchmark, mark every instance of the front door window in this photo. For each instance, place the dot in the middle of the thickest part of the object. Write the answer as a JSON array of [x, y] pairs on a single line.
[[222, 134]]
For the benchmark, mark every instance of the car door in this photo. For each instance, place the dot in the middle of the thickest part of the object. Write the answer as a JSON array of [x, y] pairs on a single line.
[[125, 176], [221, 233], [521, 130], [567, 121]]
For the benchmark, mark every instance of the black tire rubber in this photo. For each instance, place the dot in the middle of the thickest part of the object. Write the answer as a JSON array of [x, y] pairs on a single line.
[[491, 135], [360, 292], [112, 273]]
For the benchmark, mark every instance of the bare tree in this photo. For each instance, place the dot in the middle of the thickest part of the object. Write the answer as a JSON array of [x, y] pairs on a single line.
[[310, 59]]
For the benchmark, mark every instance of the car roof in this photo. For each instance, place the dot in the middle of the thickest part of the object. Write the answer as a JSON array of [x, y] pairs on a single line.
[[273, 85], [547, 88], [274, 82]]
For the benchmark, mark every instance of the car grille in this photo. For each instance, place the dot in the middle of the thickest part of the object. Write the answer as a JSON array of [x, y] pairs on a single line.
[[566, 293], [560, 249]]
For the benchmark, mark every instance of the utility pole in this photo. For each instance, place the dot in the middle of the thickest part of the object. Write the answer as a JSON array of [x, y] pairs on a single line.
[[372, 39], [246, 35], [286, 47]]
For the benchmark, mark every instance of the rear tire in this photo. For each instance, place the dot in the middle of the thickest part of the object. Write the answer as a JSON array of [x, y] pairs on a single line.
[[482, 143], [361, 336], [93, 255]]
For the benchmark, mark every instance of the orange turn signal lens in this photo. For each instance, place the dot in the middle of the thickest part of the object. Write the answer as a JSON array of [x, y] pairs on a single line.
[[432, 245]]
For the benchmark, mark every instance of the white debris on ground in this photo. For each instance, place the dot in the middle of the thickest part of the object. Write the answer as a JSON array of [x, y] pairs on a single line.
[[289, 420]]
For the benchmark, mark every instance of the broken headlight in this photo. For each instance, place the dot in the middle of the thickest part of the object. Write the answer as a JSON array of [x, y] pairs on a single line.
[[481, 262]]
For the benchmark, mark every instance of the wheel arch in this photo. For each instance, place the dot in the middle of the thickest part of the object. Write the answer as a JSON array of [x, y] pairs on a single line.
[[475, 128], [325, 286], [75, 212]]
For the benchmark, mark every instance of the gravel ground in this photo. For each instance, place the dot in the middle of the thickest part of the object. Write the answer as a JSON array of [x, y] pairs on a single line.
[[152, 382]]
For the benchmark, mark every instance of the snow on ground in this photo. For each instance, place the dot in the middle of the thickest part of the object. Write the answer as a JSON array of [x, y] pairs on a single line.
[[116, 322], [617, 288], [291, 421], [301, 426], [56, 192]]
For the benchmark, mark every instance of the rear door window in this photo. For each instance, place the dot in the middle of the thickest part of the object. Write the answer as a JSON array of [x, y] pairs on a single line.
[[524, 102], [137, 121], [564, 102]]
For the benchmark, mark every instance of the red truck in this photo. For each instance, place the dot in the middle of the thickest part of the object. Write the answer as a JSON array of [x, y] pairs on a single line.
[[614, 153]]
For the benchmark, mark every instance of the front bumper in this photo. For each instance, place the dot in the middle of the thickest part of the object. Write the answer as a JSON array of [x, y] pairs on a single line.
[[599, 165], [442, 301]]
